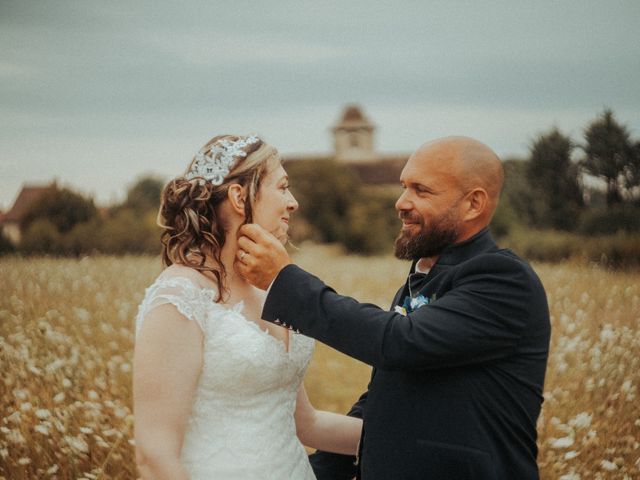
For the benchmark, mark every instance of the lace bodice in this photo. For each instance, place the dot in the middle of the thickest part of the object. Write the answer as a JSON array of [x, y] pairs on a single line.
[[241, 425]]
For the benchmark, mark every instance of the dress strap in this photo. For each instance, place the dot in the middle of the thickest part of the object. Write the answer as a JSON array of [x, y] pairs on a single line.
[[191, 300]]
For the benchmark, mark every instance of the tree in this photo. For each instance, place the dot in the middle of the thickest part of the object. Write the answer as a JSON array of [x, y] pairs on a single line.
[[554, 180], [518, 204], [144, 195], [610, 155], [326, 190], [62, 207]]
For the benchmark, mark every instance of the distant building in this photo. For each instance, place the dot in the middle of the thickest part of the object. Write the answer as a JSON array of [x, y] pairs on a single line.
[[353, 140], [10, 222]]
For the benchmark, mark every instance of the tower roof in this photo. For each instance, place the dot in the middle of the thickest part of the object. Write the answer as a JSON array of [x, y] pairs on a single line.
[[352, 117]]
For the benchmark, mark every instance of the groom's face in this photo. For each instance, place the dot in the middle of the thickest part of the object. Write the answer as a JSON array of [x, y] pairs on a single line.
[[429, 206]]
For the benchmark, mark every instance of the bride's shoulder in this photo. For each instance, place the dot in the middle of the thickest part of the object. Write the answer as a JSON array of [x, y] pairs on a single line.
[[177, 273]]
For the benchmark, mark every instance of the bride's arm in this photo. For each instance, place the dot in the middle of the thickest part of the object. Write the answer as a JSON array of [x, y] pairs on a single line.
[[167, 363], [327, 431]]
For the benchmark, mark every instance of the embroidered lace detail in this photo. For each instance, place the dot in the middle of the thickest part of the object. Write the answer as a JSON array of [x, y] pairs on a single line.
[[241, 425]]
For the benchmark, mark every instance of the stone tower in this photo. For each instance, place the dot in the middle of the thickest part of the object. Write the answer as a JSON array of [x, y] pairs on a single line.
[[353, 136]]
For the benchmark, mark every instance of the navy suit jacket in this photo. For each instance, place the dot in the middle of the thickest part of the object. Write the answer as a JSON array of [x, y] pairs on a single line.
[[457, 383]]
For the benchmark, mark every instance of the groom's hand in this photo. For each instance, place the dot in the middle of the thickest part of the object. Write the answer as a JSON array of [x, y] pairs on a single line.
[[260, 255]]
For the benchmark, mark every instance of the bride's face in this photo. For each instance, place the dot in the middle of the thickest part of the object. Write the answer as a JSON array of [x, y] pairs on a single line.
[[275, 204]]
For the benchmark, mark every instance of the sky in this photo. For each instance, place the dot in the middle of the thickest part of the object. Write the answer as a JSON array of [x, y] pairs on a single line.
[[97, 94]]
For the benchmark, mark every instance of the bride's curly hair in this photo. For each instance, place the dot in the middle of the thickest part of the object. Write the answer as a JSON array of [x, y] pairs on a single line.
[[193, 233]]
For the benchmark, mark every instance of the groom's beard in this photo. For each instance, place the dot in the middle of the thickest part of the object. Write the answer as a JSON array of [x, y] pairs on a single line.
[[431, 240]]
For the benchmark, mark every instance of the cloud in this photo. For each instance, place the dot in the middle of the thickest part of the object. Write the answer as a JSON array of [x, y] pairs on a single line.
[[156, 80]]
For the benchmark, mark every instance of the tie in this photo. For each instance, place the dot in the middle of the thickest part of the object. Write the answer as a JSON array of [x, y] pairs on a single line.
[[415, 282]]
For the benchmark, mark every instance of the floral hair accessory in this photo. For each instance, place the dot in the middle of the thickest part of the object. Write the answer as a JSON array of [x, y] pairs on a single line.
[[216, 164]]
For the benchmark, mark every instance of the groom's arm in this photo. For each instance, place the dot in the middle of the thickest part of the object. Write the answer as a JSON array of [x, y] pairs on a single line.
[[493, 301], [481, 319]]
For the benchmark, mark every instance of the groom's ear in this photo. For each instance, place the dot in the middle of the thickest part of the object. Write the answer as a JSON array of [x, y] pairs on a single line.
[[237, 196]]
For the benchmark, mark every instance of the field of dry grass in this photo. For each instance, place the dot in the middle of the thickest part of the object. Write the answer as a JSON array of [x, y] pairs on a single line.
[[66, 338]]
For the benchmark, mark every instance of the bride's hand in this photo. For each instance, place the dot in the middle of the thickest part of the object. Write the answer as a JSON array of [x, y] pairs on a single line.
[[260, 256]]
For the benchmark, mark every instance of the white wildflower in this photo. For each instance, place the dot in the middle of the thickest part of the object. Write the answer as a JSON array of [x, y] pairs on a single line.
[[609, 466], [14, 417], [581, 420], [42, 428], [21, 394], [563, 442], [24, 461], [82, 314], [570, 476], [43, 413], [59, 397], [607, 334], [571, 454], [53, 469], [15, 436], [66, 383], [77, 444]]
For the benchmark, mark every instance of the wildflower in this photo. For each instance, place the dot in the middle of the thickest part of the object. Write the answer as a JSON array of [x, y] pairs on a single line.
[[42, 428], [14, 436], [82, 314], [609, 466], [581, 420], [77, 444], [571, 454], [563, 442], [21, 394], [570, 476], [59, 397], [24, 461], [43, 413], [53, 469], [14, 417]]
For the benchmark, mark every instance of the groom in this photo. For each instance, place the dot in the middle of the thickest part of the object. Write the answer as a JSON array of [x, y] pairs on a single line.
[[459, 360]]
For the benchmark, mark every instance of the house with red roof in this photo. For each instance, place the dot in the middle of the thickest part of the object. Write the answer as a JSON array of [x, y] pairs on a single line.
[[11, 221]]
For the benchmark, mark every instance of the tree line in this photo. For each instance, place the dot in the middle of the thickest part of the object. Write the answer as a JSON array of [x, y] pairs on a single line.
[[565, 188]]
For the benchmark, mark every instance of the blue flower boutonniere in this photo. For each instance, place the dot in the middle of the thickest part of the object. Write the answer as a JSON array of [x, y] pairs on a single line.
[[411, 304]]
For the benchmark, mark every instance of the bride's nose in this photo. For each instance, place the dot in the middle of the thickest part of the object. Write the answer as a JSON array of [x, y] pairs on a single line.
[[292, 203]]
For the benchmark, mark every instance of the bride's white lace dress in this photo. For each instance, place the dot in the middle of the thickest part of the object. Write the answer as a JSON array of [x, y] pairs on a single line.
[[241, 425]]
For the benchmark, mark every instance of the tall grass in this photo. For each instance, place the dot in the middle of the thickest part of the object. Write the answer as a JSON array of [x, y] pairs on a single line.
[[66, 339]]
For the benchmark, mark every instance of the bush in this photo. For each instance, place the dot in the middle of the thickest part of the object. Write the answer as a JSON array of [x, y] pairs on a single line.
[[619, 218], [130, 232], [6, 246], [326, 190], [41, 237], [63, 208], [615, 251], [372, 223]]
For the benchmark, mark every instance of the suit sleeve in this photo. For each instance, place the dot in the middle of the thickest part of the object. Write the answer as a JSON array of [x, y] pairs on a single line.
[[481, 318]]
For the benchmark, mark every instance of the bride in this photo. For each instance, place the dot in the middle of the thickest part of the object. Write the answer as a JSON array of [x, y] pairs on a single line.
[[217, 391]]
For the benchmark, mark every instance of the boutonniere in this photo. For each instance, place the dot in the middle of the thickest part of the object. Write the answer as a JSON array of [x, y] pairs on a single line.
[[411, 304]]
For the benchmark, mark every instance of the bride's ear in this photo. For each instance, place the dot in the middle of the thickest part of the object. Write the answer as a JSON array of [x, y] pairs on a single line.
[[237, 195]]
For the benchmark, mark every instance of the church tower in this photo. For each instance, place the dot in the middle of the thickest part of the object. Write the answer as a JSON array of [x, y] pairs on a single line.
[[353, 136]]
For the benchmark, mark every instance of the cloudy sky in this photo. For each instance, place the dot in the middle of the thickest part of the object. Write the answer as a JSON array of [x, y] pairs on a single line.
[[96, 94]]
